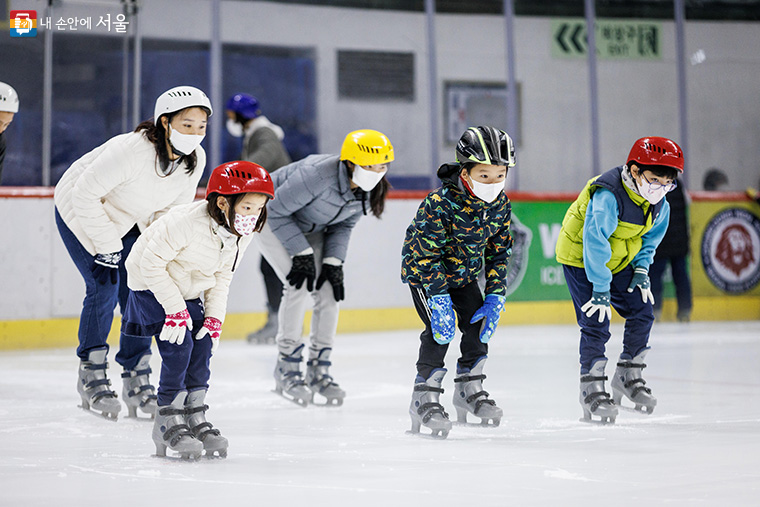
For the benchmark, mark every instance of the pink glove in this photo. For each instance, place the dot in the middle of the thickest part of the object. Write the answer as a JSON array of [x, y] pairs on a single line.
[[175, 327], [213, 328]]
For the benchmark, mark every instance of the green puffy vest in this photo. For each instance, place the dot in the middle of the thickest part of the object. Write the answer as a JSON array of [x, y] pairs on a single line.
[[635, 217]]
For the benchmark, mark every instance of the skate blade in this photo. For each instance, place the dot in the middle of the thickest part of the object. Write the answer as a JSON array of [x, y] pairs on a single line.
[[643, 410], [216, 454], [434, 435], [108, 416], [298, 401], [603, 421], [179, 457], [325, 402], [484, 423]]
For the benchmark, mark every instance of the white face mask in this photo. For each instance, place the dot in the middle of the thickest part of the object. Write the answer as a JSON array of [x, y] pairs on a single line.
[[488, 192], [366, 180], [234, 128], [184, 144], [652, 195], [245, 224]]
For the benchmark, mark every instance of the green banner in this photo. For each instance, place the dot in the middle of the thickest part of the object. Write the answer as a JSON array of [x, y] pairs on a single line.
[[620, 40]]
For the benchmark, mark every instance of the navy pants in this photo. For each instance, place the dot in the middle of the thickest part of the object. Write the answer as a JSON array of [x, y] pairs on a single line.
[[184, 367], [680, 280], [466, 301], [100, 300], [594, 335]]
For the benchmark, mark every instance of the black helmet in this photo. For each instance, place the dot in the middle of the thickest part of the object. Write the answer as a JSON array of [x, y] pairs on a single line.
[[486, 145]]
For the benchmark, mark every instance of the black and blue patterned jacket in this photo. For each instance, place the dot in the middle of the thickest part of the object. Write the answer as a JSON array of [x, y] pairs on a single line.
[[454, 235]]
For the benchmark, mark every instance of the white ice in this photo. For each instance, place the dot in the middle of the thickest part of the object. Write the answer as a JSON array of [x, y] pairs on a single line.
[[701, 446]]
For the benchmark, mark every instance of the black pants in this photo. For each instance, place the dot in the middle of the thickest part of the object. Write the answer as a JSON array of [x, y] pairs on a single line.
[[273, 285], [466, 301]]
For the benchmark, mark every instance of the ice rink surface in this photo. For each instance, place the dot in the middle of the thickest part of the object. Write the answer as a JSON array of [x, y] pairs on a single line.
[[701, 446]]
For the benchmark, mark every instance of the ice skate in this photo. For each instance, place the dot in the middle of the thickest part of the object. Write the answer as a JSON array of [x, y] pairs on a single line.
[[469, 396], [93, 386], [288, 378], [267, 333], [170, 430], [195, 415], [319, 380], [425, 409], [594, 399], [137, 391], [628, 382]]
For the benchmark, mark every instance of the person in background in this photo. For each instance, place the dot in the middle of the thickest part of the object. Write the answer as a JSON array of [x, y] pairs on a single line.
[[673, 250], [606, 244], [189, 252], [8, 108], [319, 200], [102, 202], [460, 231], [715, 180], [262, 145]]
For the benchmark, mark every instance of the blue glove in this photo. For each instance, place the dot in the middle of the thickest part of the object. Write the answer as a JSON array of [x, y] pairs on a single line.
[[599, 302], [641, 280], [442, 318], [489, 312], [106, 267]]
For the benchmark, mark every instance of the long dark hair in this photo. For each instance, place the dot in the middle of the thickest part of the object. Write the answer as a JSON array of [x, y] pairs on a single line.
[[221, 218], [156, 134], [377, 195]]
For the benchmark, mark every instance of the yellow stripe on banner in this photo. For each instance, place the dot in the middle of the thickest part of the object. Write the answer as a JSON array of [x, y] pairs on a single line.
[[53, 333]]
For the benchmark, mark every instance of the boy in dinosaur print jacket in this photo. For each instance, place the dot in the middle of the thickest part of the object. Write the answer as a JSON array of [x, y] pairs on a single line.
[[460, 230]]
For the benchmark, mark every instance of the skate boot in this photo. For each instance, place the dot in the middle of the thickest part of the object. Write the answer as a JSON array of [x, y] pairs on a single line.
[[469, 396], [628, 382], [195, 415], [319, 380], [425, 409], [267, 333], [170, 430], [137, 390], [288, 378], [594, 399], [93, 386]]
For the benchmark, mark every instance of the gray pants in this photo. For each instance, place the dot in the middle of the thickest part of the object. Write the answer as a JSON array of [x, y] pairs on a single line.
[[324, 321]]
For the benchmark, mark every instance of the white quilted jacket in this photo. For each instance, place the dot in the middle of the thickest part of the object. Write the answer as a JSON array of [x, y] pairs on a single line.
[[184, 255], [117, 185]]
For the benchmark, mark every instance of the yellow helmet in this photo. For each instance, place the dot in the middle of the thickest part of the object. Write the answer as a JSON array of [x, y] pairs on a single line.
[[367, 147]]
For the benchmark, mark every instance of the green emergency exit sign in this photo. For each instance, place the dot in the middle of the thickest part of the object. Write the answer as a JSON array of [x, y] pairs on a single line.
[[621, 40]]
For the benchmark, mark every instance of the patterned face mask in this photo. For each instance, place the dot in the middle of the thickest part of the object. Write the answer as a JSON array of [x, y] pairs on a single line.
[[245, 224]]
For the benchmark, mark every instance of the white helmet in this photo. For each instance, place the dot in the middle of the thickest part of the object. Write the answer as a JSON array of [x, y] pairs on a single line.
[[8, 98], [179, 98]]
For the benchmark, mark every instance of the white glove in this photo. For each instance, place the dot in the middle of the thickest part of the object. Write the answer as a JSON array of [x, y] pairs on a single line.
[[175, 327], [599, 302], [213, 328]]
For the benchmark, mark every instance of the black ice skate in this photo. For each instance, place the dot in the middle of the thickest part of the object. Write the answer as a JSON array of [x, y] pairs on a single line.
[[319, 380], [288, 378], [267, 333], [594, 399], [628, 382], [170, 430], [137, 391], [195, 416], [425, 409], [469, 396], [93, 386]]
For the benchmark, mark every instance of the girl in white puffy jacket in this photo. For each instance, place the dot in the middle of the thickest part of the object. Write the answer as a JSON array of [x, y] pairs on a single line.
[[102, 202], [189, 253]]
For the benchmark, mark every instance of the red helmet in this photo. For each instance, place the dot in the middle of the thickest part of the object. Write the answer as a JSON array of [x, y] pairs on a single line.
[[240, 177], [657, 151]]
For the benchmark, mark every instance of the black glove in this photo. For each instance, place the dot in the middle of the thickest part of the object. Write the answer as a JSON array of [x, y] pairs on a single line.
[[303, 269], [334, 275], [106, 266]]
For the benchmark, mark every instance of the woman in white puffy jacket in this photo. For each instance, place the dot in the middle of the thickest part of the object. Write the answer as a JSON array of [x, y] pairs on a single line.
[[190, 252], [102, 202]]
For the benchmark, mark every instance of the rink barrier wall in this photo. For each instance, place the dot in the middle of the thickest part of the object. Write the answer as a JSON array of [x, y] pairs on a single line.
[[43, 291]]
